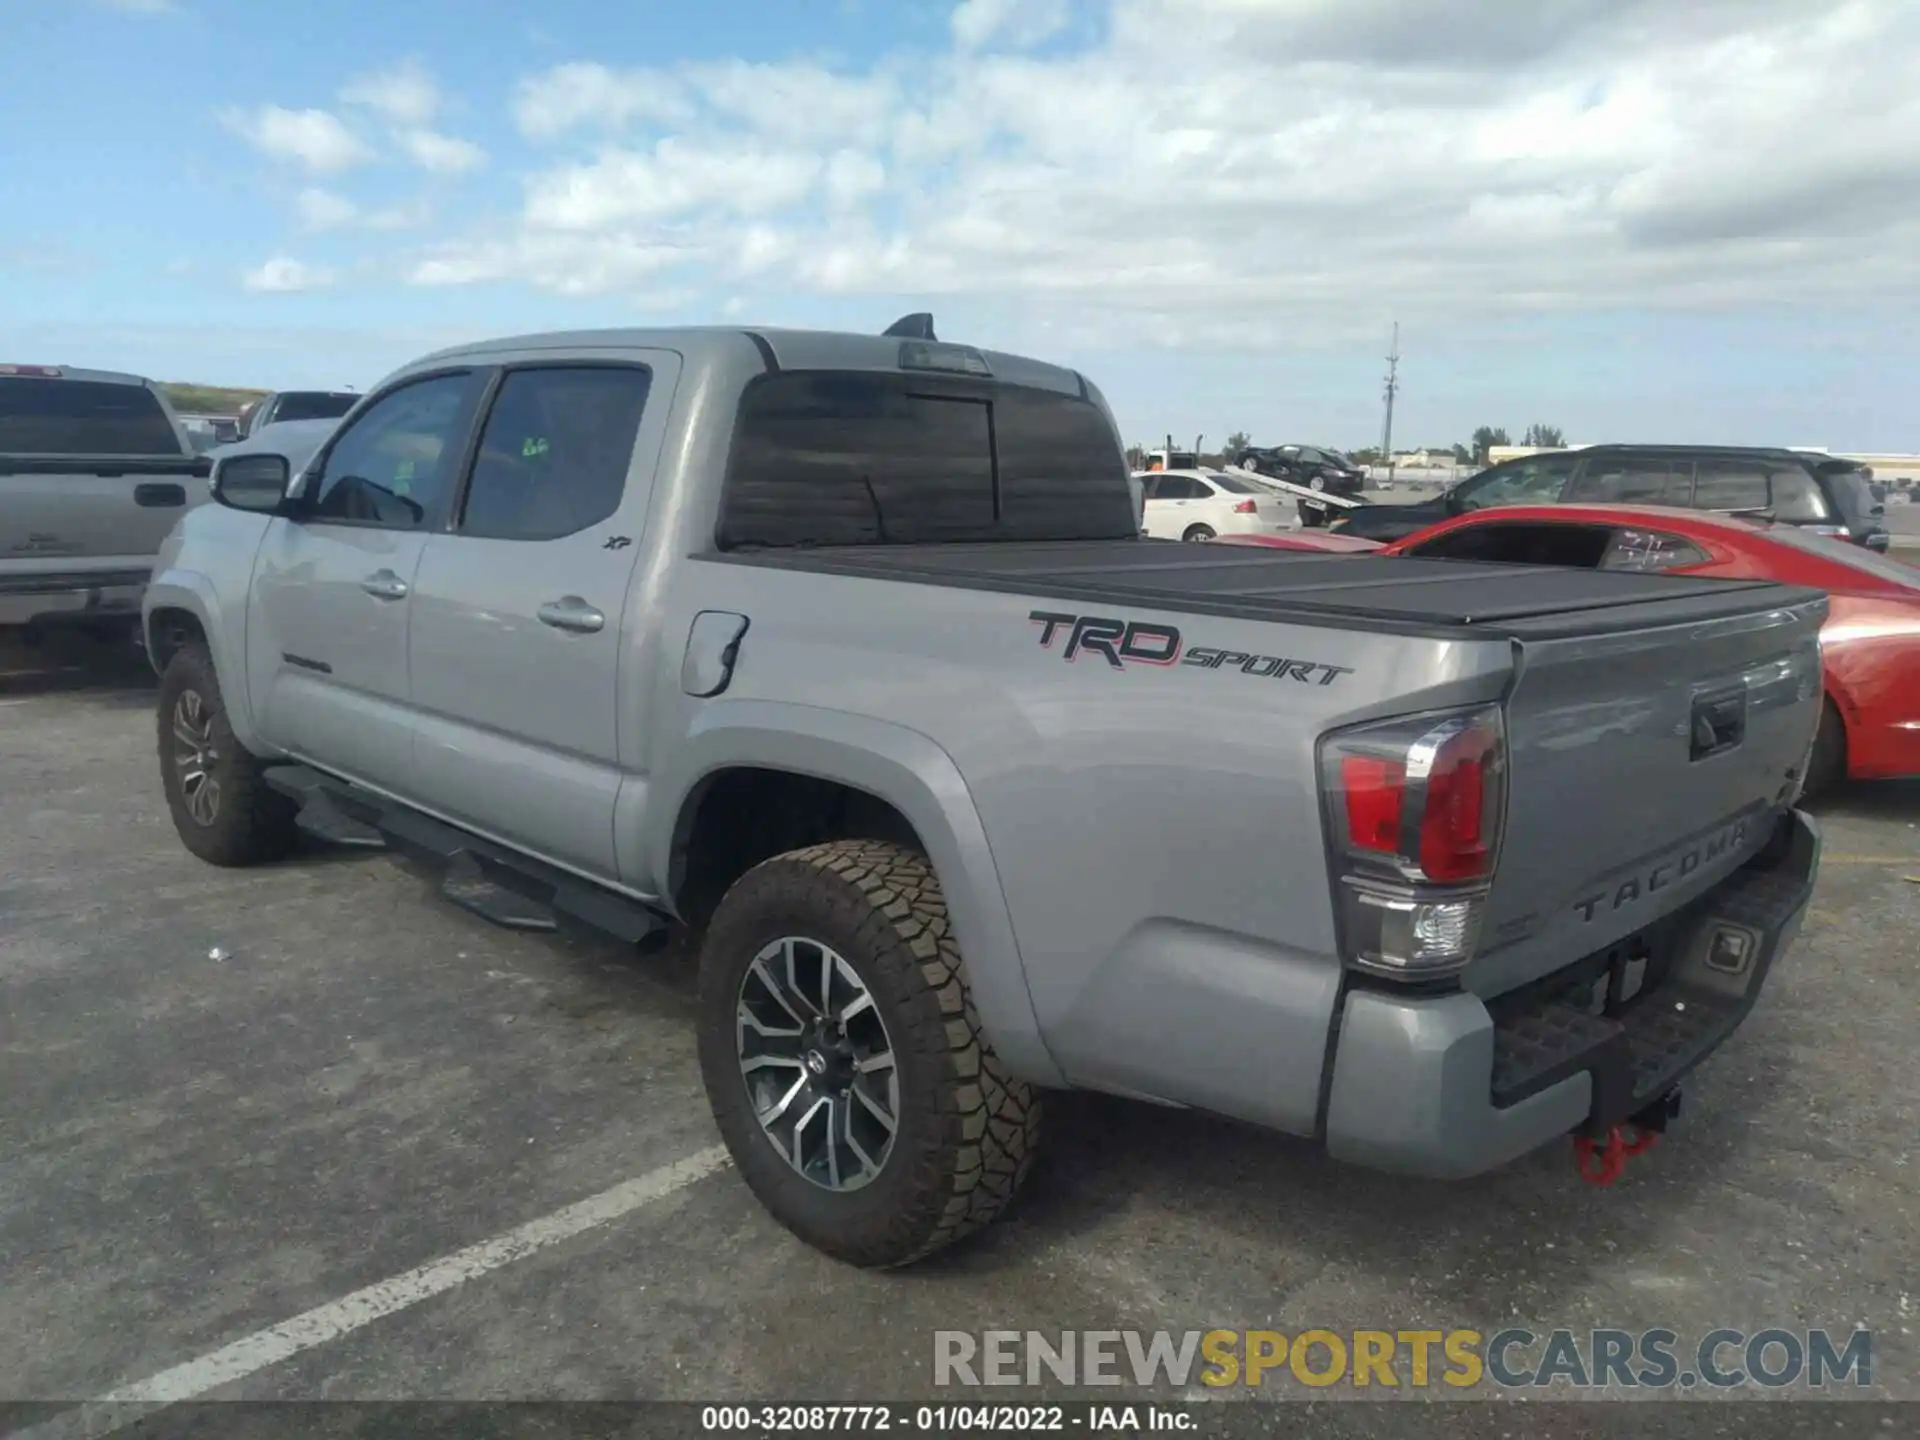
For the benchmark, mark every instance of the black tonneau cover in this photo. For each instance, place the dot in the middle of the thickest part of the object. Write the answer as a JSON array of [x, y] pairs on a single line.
[[1395, 593]]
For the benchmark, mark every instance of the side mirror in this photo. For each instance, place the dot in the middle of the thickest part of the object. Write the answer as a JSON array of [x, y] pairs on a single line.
[[257, 483]]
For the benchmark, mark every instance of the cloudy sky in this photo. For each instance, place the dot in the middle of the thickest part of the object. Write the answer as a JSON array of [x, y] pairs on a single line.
[[1635, 219]]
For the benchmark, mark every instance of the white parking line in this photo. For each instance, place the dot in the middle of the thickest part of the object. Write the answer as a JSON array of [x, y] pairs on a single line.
[[129, 1404]]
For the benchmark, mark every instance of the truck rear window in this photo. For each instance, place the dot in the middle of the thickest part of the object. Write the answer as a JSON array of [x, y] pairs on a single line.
[[859, 458], [312, 405], [82, 417]]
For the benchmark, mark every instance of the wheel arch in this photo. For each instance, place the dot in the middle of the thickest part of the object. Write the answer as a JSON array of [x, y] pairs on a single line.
[[181, 606], [899, 772]]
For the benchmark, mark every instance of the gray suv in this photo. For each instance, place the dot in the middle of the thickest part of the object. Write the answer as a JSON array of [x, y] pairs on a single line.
[[1827, 495]]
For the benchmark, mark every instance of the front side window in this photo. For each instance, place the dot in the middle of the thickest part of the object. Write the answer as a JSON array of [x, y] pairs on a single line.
[[1537, 480], [554, 452], [391, 467]]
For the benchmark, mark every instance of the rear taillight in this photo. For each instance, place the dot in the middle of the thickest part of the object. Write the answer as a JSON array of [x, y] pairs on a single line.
[[1246, 507], [1415, 809]]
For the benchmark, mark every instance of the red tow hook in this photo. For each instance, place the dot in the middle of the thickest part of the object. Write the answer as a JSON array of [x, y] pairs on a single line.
[[1603, 1164]]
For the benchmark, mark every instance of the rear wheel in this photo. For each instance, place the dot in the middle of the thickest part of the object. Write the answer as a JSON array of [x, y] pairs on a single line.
[[844, 1060], [222, 807], [1198, 532], [1827, 762]]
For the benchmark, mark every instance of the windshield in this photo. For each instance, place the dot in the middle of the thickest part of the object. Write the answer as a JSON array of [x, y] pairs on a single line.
[[313, 405], [1841, 552]]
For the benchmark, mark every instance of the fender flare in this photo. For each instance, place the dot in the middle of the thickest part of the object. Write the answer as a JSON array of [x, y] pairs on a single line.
[[910, 772], [193, 592]]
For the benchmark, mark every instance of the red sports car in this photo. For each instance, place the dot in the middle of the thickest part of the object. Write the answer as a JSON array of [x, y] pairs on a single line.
[[1870, 643]]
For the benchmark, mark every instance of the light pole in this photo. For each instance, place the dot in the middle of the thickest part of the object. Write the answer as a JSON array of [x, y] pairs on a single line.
[[1393, 386]]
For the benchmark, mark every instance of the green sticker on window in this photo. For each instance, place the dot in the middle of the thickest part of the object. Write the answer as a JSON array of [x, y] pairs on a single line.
[[533, 445], [403, 477]]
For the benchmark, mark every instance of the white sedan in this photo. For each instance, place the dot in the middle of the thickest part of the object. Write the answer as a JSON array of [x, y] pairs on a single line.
[[1200, 504]]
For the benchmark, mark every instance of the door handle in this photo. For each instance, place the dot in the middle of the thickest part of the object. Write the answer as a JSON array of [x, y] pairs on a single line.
[[385, 585], [572, 613], [160, 497]]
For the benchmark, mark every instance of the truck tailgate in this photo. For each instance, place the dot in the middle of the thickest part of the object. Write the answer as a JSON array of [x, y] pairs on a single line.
[[101, 510], [1644, 765]]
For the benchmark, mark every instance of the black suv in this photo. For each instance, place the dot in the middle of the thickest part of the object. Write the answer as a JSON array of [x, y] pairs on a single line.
[[1827, 495], [1314, 466]]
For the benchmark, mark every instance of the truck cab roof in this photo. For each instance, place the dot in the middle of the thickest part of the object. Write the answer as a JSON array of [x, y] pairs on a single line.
[[778, 349]]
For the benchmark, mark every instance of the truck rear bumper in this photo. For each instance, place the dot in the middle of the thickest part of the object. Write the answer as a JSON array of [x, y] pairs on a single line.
[[1449, 1086], [49, 598]]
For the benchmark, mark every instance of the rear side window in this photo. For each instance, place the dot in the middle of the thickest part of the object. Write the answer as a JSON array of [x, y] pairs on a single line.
[[555, 451], [1633, 481], [831, 458], [1798, 499], [1578, 546], [1732, 485], [82, 417]]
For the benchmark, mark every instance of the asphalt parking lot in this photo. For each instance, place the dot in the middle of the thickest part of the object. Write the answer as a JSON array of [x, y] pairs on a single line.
[[231, 1098]]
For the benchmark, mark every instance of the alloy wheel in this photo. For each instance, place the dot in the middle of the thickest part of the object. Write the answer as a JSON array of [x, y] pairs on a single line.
[[194, 756], [818, 1063]]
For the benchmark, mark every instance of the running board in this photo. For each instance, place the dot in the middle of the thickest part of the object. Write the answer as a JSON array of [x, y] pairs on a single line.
[[507, 889]]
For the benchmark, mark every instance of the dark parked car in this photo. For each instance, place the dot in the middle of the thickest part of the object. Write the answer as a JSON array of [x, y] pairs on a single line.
[[1304, 465], [1827, 495], [1314, 466]]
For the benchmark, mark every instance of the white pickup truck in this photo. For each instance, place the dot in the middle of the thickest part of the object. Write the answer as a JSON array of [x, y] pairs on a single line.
[[95, 469]]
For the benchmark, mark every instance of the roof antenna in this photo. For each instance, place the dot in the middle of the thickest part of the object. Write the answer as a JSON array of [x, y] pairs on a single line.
[[912, 327]]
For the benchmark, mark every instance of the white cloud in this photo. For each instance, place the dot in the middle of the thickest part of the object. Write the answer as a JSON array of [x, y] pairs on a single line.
[[1339, 162], [316, 139], [442, 154], [140, 7], [322, 209], [405, 94], [980, 23], [573, 95], [673, 178], [285, 275], [565, 264]]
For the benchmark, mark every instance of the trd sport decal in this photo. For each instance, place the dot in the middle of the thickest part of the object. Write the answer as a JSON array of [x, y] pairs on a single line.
[[1134, 642]]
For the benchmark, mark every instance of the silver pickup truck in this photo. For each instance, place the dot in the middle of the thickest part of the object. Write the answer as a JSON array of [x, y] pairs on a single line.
[[95, 469], [847, 652]]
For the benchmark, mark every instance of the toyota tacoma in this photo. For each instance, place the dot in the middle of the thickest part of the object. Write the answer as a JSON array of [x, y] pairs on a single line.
[[846, 652]]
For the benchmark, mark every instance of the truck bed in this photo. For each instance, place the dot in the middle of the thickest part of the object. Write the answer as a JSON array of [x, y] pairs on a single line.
[[1446, 598]]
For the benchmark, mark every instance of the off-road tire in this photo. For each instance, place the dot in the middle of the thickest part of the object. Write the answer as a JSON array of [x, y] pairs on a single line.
[[252, 823], [1827, 761], [1199, 532], [967, 1131]]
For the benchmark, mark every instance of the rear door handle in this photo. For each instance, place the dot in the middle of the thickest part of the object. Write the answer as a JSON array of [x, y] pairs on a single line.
[[160, 496], [385, 585], [572, 613]]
